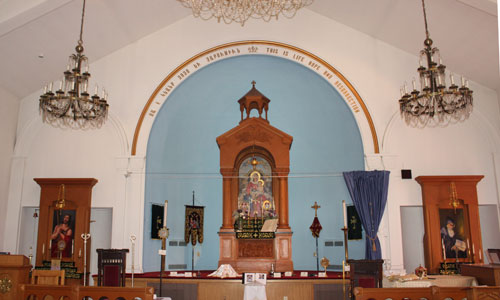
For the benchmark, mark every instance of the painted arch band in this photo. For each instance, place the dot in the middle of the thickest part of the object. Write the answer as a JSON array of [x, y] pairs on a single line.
[[297, 55]]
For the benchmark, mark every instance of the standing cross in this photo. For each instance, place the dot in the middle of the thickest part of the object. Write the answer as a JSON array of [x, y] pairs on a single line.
[[315, 206]]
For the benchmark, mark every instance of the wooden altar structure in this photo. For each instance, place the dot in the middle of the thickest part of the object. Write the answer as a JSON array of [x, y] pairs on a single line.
[[64, 200], [450, 199], [255, 142]]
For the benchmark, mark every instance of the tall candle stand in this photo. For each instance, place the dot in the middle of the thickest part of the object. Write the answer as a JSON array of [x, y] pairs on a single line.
[[132, 240], [345, 229], [85, 237], [163, 234]]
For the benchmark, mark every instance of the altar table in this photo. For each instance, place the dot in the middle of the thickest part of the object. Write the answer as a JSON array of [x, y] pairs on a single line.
[[436, 280]]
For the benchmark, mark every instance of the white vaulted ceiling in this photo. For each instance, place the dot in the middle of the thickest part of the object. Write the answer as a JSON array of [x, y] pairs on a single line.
[[465, 31]]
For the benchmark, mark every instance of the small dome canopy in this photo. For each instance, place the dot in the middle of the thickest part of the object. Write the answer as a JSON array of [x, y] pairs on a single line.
[[254, 100]]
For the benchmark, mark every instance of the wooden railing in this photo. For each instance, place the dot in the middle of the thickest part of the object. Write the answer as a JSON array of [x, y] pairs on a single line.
[[33, 291], [429, 293]]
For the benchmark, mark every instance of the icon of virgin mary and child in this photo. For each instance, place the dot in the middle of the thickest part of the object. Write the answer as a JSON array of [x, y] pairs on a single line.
[[254, 195]]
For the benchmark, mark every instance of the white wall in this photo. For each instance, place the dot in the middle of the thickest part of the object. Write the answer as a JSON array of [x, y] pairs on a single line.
[[131, 75], [8, 123]]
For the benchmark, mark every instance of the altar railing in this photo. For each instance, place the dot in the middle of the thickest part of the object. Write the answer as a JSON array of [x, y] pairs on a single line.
[[34, 291]]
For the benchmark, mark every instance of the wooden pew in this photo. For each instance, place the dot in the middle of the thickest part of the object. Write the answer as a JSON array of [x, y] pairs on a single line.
[[483, 293], [429, 293], [127, 293], [392, 293], [36, 291], [28, 291]]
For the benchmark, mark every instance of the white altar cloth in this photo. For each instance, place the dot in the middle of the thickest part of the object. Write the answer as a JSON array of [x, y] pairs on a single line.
[[255, 292]]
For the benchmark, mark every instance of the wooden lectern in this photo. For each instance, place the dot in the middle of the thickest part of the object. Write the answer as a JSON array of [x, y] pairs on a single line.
[[14, 270]]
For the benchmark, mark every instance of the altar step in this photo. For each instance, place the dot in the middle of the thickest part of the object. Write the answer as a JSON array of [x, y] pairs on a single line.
[[71, 272]]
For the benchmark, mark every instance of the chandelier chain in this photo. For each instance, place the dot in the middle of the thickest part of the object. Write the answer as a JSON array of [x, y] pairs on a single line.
[[80, 41], [425, 20]]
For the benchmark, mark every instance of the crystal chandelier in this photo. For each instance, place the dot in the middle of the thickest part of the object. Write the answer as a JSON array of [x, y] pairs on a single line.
[[72, 105], [240, 11], [435, 104]]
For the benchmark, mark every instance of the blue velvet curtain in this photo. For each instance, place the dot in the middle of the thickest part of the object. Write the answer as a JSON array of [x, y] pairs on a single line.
[[368, 190]]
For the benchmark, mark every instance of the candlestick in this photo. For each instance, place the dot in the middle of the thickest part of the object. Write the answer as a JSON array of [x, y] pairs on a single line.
[[165, 214], [85, 237], [344, 211], [343, 279], [132, 240], [444, 249]]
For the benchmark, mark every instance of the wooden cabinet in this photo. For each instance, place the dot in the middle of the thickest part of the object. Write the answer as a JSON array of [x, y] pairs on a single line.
[[485, 274], [451, 213]]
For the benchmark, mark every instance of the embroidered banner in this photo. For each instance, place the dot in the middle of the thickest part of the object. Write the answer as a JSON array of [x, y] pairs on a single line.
[[193, 225]]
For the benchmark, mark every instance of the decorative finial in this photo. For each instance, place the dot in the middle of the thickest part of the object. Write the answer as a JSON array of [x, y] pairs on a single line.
[[253, 83]]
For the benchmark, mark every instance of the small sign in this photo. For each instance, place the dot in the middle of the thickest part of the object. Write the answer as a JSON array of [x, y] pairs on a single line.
[[162, 252], [173, 273], [277, 275], [303, 274], [288, 274], [188, 274], [322, 274]]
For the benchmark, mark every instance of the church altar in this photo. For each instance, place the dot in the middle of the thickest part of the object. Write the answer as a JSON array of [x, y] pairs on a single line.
[[202, 287]]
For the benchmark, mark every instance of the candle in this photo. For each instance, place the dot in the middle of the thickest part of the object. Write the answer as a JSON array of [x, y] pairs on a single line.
[[414, 85], [165, 214], [444, 249], [473, 252], [452, 79], [344, 211]]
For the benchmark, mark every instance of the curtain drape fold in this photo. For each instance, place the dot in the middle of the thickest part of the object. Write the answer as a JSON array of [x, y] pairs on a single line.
[[368, 190]]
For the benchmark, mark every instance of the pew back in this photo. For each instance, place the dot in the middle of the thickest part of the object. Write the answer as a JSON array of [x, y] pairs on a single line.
[[32, 291]]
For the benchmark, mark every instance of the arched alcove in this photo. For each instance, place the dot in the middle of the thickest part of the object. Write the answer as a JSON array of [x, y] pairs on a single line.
[[182, 154]]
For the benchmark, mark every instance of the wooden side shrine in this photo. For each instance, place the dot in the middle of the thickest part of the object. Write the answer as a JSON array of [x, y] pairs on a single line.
[[64, 216], [254, 163], [451, 220]]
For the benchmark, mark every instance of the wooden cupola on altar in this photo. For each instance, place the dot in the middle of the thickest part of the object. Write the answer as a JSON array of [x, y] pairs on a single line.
[[254, 163]]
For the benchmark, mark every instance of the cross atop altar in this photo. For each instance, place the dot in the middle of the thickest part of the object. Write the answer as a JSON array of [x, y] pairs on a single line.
[[254, 163]]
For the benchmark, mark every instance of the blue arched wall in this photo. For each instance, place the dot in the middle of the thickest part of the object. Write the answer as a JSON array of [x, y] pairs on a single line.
[[182, 155]]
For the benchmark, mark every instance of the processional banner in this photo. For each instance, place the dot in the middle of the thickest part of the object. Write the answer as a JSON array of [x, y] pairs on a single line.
[[193, 224]]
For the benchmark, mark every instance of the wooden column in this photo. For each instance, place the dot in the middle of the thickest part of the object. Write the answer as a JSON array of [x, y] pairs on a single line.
[[283, 203], [226, 199]]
